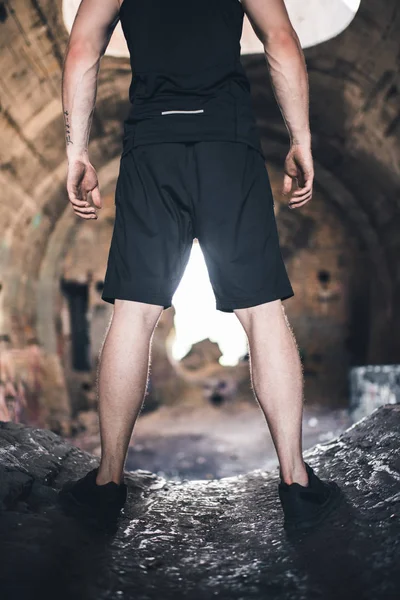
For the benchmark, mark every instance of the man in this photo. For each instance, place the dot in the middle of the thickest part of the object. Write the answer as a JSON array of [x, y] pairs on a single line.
[[192, 167]]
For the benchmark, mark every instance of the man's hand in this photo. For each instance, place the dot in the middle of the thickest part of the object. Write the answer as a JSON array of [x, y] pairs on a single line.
[[93, 26], [82, 180], [299, 167]]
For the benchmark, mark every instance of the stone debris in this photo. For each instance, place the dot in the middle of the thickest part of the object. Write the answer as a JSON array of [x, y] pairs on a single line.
[[32, 387]]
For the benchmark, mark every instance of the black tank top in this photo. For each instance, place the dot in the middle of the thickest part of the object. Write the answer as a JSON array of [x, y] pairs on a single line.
[[188, 83]]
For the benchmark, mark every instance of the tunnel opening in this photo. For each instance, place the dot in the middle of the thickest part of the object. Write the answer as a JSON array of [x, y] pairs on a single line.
[[350, 233]]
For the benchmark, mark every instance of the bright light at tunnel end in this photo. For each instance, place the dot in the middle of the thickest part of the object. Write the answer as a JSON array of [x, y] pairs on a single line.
[[196, 317]]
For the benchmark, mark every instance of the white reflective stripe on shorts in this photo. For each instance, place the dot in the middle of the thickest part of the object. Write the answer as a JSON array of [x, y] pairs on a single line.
[[174, 112]]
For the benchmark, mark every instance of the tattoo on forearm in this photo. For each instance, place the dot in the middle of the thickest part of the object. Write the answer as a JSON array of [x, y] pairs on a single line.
[[67, 128]]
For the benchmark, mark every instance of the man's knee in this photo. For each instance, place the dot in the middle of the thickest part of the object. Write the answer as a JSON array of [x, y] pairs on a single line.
[[142, 313], [261, 313]]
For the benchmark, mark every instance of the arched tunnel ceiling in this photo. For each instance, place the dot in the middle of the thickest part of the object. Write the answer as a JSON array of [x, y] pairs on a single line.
[[354, 84]]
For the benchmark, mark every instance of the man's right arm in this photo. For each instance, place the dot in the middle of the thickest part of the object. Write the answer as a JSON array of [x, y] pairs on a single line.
[[287, 68], [90, 35]]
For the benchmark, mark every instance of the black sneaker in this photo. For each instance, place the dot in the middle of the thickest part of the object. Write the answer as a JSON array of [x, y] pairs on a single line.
[[99, 504], [306, 506]]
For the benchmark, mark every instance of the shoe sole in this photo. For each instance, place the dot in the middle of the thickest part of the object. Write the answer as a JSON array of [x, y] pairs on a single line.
[[79, 510], [334, 502]]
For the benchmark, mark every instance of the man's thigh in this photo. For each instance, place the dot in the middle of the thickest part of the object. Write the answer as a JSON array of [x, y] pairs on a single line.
[[236, 226]]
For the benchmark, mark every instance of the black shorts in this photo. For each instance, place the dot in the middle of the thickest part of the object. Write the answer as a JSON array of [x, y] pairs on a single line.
[[219, 192]]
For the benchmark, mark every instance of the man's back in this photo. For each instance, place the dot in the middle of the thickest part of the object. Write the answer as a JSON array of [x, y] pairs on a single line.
[[181, 36], [188, 83]]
